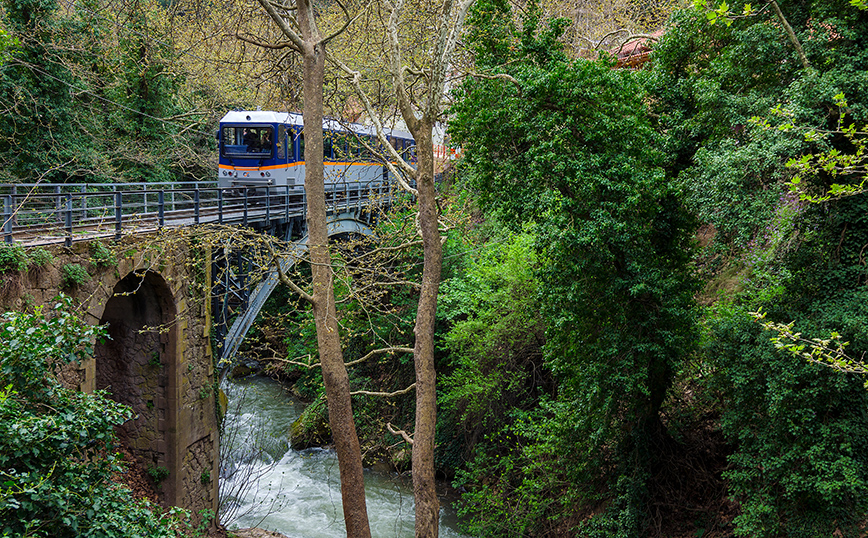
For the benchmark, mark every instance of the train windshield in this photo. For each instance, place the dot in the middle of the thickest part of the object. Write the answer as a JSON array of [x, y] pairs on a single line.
[[246, 141]]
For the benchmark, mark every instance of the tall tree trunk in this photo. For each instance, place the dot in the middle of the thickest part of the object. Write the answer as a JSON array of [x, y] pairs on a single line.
[[335, 378], [424, 487]]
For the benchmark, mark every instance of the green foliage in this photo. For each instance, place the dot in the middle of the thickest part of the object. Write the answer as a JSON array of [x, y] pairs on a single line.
[[73, 274], [57, 445], [495, 339], [86, 108], [15, 258], [830, 352], [7, 45], [158, 474], [33, 344]]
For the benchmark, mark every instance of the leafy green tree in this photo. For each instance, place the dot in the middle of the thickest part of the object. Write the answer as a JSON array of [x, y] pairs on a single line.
[[575, 152], [495, 338], [37, 129]]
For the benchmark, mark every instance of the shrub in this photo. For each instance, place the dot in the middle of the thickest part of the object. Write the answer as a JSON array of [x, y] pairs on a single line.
[[12, 258], [801, 463], [74, 275], [57, 446]]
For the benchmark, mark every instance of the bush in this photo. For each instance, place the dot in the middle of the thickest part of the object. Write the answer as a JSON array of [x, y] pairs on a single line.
[[39, 257], [102, 255]]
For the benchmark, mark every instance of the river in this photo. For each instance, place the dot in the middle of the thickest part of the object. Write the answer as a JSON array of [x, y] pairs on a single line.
[[266, 484]]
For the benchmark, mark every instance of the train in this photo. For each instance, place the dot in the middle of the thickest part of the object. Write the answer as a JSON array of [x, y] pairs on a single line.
[[263, 149]]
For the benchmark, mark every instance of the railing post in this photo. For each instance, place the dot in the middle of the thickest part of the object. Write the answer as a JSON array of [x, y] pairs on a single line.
[[58, 201], [145, 198], [286, 202], [119, 208], [83, 190], [7, 217], [267, 206], [161, 207], [246, 194], [219, 206], [346, 196], [196, 205], [68, 240]]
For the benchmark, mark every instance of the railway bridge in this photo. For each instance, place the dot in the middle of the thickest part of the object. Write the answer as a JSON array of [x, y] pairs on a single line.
[[174, 310]]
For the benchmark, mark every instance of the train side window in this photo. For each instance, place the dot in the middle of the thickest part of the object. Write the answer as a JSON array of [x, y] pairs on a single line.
[[355, 148], [290, 146], [301, 146], [281, 142]]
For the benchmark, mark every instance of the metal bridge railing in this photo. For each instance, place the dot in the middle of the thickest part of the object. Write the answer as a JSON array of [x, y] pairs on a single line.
[[37, 214]]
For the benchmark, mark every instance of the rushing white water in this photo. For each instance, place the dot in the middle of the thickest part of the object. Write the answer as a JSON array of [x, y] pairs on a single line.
[[266, 484]]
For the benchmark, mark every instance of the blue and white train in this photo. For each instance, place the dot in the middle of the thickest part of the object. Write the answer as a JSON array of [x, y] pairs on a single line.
[[266, 149]]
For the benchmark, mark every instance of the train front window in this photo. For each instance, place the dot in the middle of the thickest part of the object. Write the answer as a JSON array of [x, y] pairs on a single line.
[[245, 141]]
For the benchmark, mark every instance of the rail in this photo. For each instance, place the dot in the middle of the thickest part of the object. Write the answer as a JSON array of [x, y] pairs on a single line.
[[37, 214]]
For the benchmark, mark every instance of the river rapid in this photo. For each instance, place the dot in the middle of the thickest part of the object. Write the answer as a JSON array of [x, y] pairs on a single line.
[[266, 484]]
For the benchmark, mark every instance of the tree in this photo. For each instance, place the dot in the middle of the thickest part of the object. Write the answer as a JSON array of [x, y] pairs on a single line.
[[732, 126], [311, 45], [420, 102], [574, 152]]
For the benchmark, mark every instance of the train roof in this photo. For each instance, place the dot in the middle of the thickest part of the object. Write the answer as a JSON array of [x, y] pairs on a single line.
[[291, 118]]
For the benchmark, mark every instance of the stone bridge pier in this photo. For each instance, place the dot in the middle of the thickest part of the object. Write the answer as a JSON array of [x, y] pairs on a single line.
[[158, 360]]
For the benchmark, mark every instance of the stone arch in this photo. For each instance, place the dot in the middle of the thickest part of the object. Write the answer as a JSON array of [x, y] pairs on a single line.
[[138, 367]]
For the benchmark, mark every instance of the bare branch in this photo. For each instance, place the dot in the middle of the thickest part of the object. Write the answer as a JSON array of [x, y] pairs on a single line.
[[400, 433], [381, 352], [500, 76], [394, 162], [272, 46], [791, 35], [383, 394], [285, 279], [348, 22], [634, 37], [282, 24], [600, 42], [381, 250]]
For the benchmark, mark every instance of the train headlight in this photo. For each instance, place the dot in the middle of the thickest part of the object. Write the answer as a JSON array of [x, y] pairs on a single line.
[[268, 174]]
